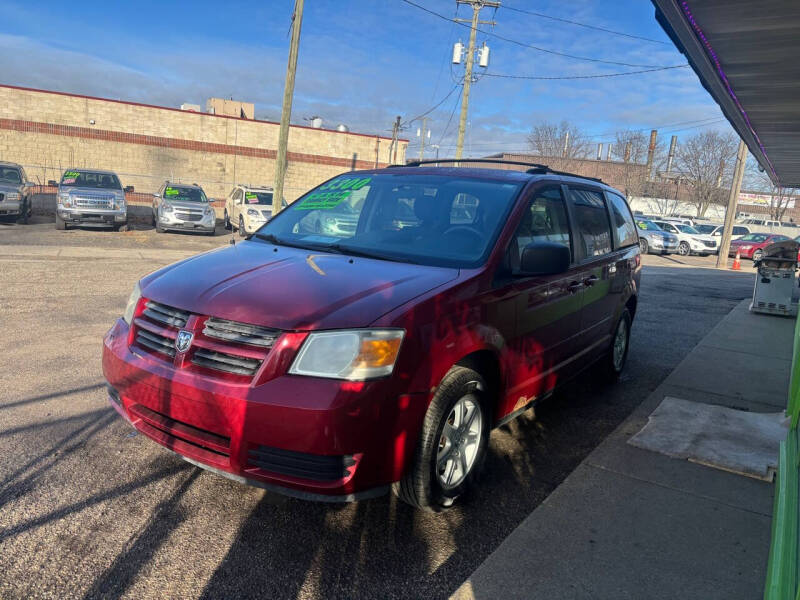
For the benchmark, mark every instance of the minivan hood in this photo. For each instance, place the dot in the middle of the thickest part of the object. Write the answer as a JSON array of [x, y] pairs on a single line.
[[290, 288]]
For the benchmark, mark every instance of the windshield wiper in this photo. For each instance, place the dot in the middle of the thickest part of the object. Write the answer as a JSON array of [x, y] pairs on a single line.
[[272, 239]]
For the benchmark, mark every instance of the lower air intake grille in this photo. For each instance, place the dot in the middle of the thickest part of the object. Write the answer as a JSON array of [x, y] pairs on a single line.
[[301, 465], [225, 362], [156, 342]]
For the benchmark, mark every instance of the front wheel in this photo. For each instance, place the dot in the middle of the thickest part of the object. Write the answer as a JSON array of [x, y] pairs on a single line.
[[452, 443], [684, 249], [242, 232], [757, 255], [643, 246], [60, 223], [227, 221]]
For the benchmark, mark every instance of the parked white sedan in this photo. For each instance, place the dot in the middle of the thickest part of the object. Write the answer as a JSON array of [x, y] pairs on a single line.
[[690, 241]]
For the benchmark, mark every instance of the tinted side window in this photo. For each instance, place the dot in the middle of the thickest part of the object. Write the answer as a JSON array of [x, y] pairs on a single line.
[[738, 231], [592, 230], [624, 229], [545, 220]]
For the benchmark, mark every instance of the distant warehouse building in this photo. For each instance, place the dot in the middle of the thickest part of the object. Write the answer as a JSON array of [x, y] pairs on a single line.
[[48, 132]]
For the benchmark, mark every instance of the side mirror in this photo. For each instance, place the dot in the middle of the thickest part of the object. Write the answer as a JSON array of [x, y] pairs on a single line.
[[52, 183], [156, 195], [27, 184], [544, 258], [128, 189]]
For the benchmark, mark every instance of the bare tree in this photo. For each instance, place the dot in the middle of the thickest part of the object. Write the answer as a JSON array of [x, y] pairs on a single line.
[[780, 198], [706, 160], [555, 140]]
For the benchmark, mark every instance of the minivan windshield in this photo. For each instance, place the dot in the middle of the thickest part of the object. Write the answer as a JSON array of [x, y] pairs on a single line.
[[10, 175], [437, 220], [258, 198], [180, 193], [90, 179]]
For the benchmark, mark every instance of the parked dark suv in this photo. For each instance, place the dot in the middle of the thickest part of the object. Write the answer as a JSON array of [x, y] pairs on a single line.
[[335, 364]]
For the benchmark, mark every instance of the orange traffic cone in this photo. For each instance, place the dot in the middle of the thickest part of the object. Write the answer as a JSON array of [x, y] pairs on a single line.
[[737, 262]]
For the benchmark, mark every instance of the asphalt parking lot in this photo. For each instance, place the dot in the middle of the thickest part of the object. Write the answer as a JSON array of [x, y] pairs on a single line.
[[90, 509]]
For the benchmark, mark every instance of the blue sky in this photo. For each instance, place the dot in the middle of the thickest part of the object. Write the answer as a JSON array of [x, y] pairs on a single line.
[[361, 63]]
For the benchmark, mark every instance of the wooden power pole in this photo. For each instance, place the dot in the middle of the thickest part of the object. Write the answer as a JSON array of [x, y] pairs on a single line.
[[286, 111], [477, 5], [730, 213]]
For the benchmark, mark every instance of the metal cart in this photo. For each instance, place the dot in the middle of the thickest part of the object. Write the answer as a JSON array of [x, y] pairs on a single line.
[[775, 281]]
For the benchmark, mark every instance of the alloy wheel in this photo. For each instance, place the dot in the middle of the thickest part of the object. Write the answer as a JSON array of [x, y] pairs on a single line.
[[620, 344], [683, 249], [459, 442]]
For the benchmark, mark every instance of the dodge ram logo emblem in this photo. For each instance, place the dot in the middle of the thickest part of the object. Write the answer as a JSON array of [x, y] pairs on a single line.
[[184, 340]]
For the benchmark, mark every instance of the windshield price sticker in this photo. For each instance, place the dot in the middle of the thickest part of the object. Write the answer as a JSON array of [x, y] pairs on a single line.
[[171, 191], [70, 176], [251, 198], [333, 193]]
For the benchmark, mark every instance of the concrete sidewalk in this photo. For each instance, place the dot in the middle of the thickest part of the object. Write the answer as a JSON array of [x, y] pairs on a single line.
[[630, 523]]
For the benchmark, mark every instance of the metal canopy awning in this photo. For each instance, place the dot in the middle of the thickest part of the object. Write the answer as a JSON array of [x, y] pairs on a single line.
[[747, 55]]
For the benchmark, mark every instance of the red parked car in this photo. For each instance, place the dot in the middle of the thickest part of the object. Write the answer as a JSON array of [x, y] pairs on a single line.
[[752, 245], [332, 363]]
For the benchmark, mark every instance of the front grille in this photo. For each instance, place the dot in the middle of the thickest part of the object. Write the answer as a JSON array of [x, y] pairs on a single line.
[[93, 201], [241, 333], [174, 317], [301, 465], [710, 244], [229, 363], [189, 216], [156, 342]]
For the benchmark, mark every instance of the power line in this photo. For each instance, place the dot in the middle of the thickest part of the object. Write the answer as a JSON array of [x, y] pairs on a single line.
[[597, 76], [531, 46], [430, 110], [576, 23], [450, 120]]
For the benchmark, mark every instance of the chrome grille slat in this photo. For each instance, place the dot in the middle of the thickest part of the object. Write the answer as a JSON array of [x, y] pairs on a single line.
[[225, 362], [242, 333], [155, 342], [166, 314]]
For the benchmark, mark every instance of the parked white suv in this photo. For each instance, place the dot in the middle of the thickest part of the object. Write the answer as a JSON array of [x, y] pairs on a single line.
[[690, 241], [247, 208]]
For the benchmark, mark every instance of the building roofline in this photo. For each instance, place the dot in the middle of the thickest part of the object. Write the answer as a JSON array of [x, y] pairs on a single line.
[[187, 112]]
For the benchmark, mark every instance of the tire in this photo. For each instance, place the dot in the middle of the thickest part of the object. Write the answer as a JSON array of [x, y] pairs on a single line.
[[614, 362], [423, 486], [159, 228], [242, 232], [684, 249], [227, 221], [25, 213], [644, 247], [60, 224], [757, 255], [154, 220]]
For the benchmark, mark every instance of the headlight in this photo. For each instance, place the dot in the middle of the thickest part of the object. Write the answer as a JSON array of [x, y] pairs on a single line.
[[13, 196], [209, 211], [252, 212], [167, 208], [355, 355], [65, 200], [745, 247], [133, 300]]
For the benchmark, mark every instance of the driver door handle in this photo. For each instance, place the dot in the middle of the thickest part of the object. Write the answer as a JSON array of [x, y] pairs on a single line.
[[590, 281]]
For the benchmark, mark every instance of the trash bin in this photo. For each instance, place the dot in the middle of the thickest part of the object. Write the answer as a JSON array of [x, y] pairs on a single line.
[[775, 280]]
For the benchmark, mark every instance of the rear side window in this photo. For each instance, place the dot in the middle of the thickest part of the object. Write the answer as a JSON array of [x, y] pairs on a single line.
[[739, 231], [624, 228], [592, 230]]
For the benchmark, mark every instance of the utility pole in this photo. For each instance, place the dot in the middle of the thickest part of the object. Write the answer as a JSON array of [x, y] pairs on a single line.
[[422, 133], [394, 144], [286, 111], [651, 151], [730, 213], [565, 149], [477, 5], [672, 144]]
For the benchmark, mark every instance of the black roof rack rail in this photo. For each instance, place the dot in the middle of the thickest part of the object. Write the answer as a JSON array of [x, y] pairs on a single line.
[[536, 168]]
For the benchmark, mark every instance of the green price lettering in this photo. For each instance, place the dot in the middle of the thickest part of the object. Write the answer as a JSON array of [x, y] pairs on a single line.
[[171, 192]]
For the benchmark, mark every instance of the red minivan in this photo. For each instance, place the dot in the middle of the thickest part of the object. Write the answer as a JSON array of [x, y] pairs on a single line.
[[372, 333]]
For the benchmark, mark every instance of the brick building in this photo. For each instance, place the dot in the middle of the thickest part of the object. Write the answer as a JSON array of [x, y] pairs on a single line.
[[48, 132]]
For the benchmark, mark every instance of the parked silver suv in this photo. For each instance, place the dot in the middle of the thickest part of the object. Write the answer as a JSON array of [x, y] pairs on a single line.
[[93, 198], [14, 191], [183, 207]]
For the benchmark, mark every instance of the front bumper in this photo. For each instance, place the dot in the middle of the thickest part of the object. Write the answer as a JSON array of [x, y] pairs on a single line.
[[86, 216], [10, 207], [302, 422], [663, 247], [169, 221]]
